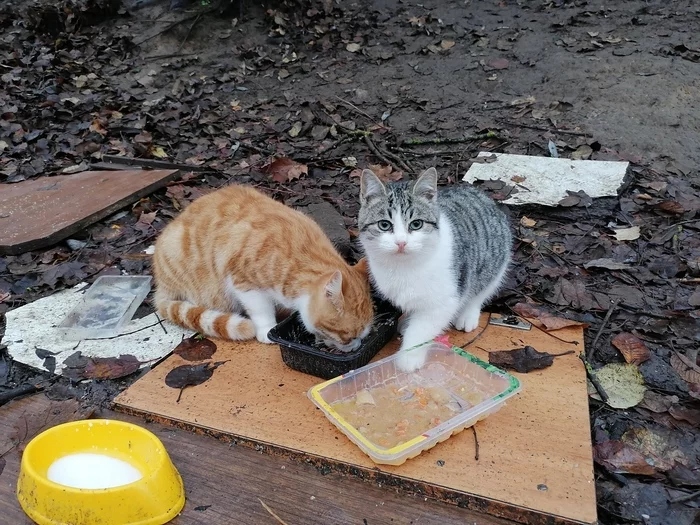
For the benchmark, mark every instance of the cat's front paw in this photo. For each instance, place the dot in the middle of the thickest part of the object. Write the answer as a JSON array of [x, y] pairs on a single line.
[[410, 361], [468, 320], [261, 335]]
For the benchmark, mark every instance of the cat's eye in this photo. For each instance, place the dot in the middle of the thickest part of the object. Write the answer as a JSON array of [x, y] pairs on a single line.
[[385, 226], [415, 225]]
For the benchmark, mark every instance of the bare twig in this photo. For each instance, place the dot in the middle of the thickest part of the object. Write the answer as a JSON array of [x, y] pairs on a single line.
[[179, 48], [373, 147], [476, 444], [591, 349], [127, 333], [593, 378], [358, 110], [20, 391], [454, 140], [160, 322], [170, 55], [686, 497], [540, 128], [268, 509], [171, 26]]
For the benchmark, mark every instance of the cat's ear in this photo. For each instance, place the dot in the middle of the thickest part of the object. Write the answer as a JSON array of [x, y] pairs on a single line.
[[362, 266], [334, 290], [370, 186], [426, 185]]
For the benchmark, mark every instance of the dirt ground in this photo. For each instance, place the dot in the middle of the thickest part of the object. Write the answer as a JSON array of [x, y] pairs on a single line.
[[401, 86]]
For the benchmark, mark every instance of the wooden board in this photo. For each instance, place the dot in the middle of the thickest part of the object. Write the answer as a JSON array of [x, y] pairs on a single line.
[[535, 462], [40, 212], [225, 484]]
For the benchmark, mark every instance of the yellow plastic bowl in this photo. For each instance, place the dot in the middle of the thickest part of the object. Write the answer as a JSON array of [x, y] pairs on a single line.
[[154, 499]]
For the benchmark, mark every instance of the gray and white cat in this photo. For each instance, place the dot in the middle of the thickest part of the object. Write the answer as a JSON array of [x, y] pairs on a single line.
[[438, 255]]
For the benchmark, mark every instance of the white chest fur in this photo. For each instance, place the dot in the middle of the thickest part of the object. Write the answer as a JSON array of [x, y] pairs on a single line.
[[419, 281]]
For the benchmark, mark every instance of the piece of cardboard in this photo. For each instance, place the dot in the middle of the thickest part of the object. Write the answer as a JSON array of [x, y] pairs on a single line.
[[545, 180], [535, 459]]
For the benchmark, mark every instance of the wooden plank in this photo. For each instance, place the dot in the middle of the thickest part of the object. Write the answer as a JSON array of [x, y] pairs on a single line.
[[224, 484], [535, 463], [40, 212]]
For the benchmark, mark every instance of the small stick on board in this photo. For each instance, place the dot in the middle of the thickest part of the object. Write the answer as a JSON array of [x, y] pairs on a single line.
[[476, 443], [268, 509]]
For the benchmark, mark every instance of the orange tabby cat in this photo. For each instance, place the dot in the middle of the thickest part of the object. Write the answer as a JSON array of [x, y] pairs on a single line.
[[237, 251]]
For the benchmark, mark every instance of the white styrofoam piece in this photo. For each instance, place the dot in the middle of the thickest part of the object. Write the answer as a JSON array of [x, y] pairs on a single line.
[[547, 179], [35, 326]]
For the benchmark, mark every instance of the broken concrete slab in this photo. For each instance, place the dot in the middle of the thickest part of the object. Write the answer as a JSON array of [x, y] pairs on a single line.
[[32, 332], [40, 212], [545, 180], [332, 224]]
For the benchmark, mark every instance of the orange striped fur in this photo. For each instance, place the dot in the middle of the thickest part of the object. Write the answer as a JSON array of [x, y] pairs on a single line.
[[236, 251]]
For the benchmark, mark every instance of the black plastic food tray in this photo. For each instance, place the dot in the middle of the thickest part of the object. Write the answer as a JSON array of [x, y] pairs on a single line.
[[299, 352]]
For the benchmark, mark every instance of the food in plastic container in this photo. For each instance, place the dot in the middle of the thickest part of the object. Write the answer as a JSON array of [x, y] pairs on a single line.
[[394, 416], [301, 352]]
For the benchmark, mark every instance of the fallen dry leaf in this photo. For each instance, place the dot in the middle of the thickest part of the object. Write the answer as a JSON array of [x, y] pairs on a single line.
[[620, 458], [158, 152], [385, 173], [522, 360], [569, 201], [627, 234], [544, 319], [672, 207], [685, 368], [608, 264], [111, 367], [498, 63], [657, 403], [690, 415], [623, 384], [97, 127], [190, 375], [527, 222], [632, 348], [284, 170], [582, 152], [195, 349], [143, 138], [295, 129], [658, 446]]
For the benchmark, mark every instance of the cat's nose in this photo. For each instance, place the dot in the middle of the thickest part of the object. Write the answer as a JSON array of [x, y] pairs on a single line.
[[401, 245]]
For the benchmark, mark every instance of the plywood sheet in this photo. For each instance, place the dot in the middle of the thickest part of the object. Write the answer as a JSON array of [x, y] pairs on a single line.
[[39, 212], [535, 463]]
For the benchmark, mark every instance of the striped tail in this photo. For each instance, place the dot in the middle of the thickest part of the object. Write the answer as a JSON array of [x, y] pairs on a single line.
[[208, 322]]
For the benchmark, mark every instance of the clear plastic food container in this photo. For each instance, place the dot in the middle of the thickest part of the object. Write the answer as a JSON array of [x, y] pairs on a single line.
[[106, 307], [394, 416]]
